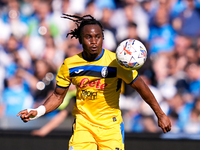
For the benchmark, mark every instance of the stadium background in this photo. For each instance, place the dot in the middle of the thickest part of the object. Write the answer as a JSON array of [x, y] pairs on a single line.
[[33, 45]]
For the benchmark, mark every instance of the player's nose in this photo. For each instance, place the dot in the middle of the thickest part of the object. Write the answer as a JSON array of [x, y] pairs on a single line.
[[93, 40]]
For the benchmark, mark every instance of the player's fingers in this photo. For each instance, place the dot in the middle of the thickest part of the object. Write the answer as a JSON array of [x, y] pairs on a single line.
[[19, 114], [169, 129], [32, 113], [166, 129], [24, 118], [22, 112]]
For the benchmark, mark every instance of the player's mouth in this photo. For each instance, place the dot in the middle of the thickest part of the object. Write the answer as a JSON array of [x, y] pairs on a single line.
[[94, 48]]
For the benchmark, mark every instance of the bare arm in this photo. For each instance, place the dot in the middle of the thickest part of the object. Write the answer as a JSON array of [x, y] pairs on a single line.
[[58, 119], [147, 95], [50, 104], [55, 99]]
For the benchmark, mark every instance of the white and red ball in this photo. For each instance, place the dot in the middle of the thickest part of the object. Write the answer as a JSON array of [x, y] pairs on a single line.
[[131, 54]]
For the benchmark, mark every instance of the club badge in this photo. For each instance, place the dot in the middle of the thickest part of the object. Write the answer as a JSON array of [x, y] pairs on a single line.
[[104, 72]]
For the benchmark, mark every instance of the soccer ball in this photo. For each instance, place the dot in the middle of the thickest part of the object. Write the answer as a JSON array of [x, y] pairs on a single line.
[[131, 54]]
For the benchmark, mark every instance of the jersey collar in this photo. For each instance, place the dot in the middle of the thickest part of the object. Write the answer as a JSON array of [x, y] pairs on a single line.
[[96, 58]]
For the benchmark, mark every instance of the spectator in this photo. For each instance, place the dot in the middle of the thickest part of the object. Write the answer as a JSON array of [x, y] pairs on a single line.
[[184, 19], [180, 107], [41, 82], [198, 49], [193, 123], [161, 36], [15, 96], [14, 18], [51, 54], [193, 72], [17, 54], [131, 12], [34, 29], [109, 32], [191, 55], [93, 9], [40, 24]]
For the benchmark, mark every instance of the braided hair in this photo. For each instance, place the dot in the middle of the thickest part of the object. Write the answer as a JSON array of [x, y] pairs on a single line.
[[81, 22]]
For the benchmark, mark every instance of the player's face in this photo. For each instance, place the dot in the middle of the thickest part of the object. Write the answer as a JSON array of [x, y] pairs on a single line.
[[92, 39]]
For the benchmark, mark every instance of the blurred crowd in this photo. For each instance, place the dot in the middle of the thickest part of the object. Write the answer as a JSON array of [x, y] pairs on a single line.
[[33, 45]]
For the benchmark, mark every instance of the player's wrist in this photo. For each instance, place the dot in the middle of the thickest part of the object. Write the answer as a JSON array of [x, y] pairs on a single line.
[[41, 110]]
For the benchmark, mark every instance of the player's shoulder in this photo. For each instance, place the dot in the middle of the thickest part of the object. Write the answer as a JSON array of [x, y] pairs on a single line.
[[73, 58], [110, 53]]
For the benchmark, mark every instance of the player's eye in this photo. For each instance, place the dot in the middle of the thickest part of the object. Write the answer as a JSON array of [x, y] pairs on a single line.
[[88, 37], [98, 37]]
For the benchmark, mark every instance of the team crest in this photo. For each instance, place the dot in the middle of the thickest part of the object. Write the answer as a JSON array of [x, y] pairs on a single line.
[[104, 72]]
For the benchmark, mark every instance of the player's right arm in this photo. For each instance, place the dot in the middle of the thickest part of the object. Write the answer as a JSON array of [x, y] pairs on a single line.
[[140, 86], [50, 104]]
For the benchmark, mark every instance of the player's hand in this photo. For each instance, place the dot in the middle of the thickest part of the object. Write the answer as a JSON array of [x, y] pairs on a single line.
[[25, 115], [164, 123]]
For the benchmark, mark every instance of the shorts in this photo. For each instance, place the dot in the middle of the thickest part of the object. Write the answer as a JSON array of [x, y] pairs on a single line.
[[87, 136]]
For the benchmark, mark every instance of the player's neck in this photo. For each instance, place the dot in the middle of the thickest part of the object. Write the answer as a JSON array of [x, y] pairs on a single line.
[[93, 57]]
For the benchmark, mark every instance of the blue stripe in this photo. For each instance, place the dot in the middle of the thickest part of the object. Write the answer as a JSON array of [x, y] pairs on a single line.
[[96, 58], [122, 131], [91, 68], [100, 55], [61, 87], [134, 79]]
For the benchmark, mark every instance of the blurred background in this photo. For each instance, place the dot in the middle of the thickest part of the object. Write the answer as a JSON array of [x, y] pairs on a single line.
[[33, 45]]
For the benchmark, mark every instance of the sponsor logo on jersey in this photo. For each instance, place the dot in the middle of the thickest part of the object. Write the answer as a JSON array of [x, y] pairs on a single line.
[[85, 82], [89, 95], [80, 70]]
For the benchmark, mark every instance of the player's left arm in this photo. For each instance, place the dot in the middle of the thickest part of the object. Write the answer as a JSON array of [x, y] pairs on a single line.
[[140, 86]]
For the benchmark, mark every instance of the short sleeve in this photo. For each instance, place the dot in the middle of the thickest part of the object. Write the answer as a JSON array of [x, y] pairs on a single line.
[[62, 78], [127, 76]]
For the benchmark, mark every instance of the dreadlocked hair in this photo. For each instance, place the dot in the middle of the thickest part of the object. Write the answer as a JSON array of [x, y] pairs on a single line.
[[81, 22]]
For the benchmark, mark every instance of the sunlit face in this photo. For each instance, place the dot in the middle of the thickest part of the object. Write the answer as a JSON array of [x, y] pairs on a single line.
[[91, 40]]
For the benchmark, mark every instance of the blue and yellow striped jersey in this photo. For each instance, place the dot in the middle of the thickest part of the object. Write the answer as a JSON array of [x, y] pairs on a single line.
[[98, 86]]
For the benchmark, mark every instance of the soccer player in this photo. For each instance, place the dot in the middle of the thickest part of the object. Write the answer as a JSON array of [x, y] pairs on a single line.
[[97, 76]]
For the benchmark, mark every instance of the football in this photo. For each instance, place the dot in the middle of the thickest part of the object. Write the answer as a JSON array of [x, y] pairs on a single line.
[[131, 54]]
